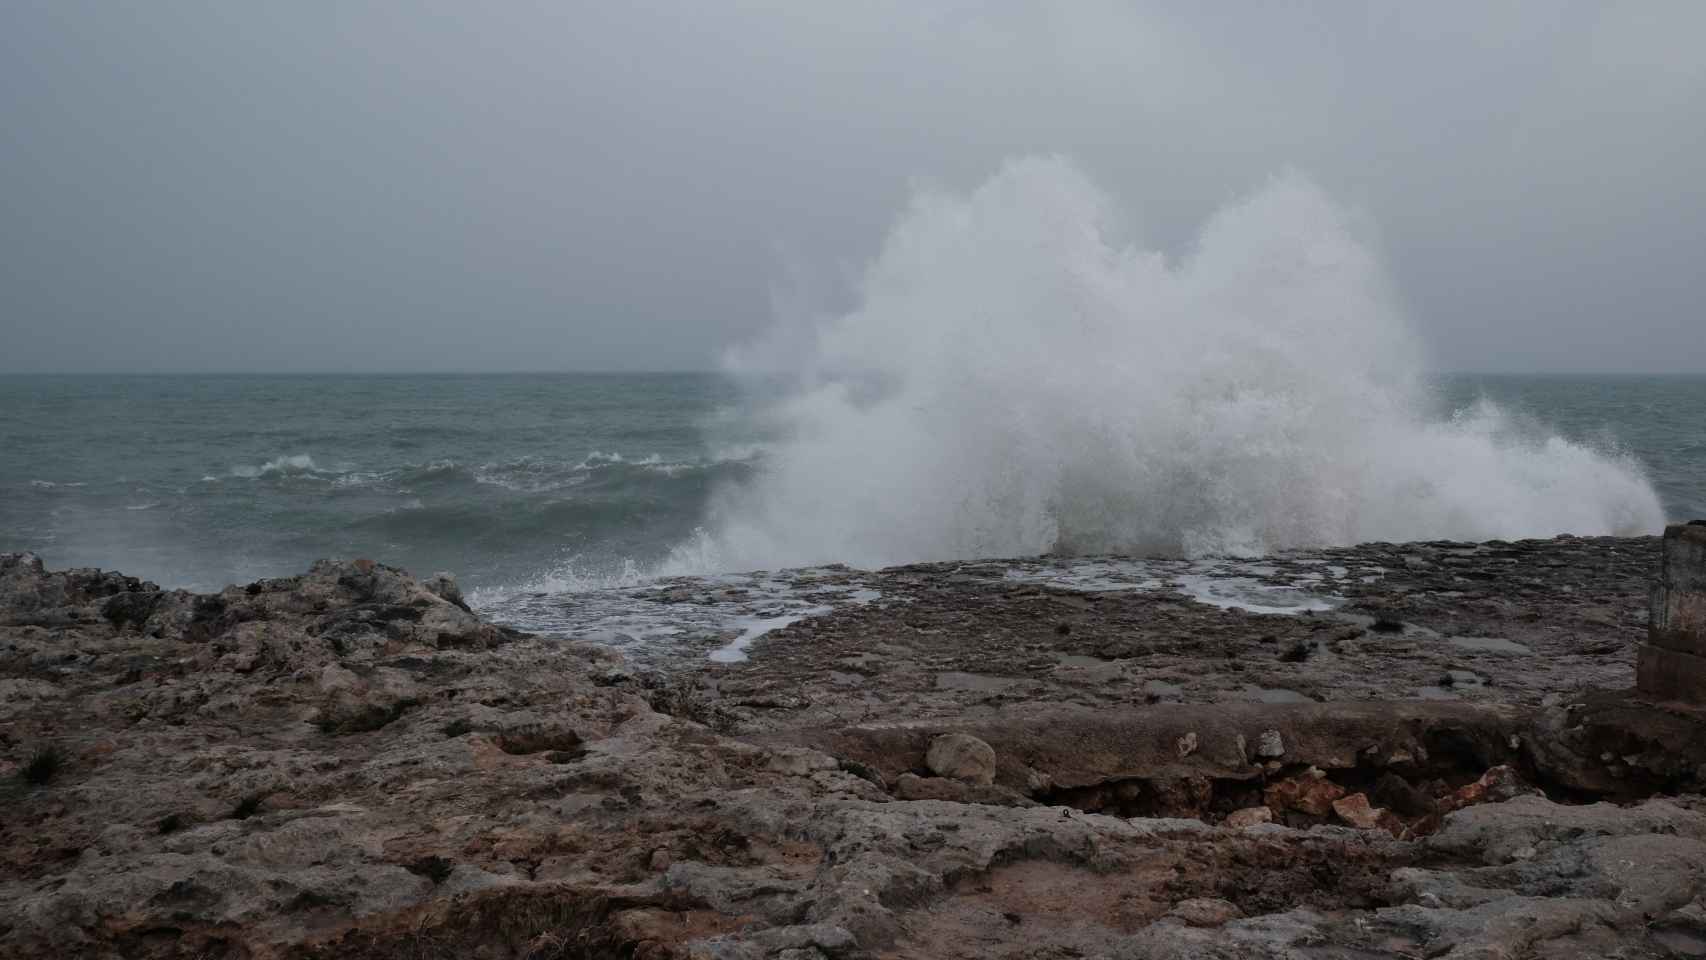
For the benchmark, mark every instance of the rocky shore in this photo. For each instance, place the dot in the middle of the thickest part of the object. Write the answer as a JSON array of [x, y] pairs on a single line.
[[980, 761]]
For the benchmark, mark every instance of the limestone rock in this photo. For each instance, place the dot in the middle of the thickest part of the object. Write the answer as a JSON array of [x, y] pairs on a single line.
[[961, 756], [535, 799], [800, 762], [443, 586]]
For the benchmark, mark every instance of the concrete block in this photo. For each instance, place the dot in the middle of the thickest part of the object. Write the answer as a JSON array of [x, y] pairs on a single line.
[[1662, 674], [1678, 610]]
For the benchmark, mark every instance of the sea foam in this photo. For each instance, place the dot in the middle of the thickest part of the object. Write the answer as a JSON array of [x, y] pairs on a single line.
[[1016, 379]]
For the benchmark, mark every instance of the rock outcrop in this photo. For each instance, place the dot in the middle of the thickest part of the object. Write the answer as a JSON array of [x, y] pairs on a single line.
[[350, 763]]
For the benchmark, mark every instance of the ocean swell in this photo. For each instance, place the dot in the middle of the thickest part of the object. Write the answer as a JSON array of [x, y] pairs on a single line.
[[1018, 380]]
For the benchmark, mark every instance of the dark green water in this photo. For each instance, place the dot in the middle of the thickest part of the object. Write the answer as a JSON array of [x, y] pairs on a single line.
[[205, 480]]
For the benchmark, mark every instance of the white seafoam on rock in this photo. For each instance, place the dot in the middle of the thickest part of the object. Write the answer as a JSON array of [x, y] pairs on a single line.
[[1016, 380]]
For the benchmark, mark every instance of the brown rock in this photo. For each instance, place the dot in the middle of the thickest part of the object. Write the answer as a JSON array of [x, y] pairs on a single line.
[[1356, 811], [1182, 797], [1393, 824], [1310, 793], [1497, 784]]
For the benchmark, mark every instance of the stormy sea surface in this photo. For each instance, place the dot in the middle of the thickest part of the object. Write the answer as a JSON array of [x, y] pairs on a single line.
[[563, 502]]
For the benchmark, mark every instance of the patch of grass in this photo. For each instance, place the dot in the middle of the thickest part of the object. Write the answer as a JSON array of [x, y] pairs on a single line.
[[43, 765], [248, 806]]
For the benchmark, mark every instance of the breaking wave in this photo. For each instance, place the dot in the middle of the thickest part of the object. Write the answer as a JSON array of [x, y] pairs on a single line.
[[292, 465], [1018, 379], [527, 475]]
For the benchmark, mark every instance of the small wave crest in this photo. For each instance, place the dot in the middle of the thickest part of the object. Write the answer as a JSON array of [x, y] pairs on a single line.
[[292, 464], [534, 475]]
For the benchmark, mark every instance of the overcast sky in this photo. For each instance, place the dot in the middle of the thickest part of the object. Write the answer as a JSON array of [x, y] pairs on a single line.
[[562, 185]]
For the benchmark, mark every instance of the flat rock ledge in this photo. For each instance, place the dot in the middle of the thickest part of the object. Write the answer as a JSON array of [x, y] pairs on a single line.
[[350, 763]]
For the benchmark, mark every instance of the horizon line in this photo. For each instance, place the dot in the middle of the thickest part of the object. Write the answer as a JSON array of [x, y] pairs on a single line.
[[682, 371]]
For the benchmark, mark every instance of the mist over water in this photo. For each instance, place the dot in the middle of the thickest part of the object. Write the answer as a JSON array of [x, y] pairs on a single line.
[[1020, 378]]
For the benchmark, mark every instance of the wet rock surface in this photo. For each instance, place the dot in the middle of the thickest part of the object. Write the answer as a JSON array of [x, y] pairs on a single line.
[[1014, 759]]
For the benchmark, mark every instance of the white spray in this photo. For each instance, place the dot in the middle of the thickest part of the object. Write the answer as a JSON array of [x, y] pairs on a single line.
[[1014, 382]]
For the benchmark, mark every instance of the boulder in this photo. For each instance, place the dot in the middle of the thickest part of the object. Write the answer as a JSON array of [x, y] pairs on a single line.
[[961, 756]]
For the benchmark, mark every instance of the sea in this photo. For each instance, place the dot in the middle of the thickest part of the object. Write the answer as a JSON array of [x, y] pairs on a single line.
[[529, 487]]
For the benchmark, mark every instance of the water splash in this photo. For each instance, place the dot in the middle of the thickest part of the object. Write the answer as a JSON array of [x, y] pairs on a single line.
[[1018, 380]]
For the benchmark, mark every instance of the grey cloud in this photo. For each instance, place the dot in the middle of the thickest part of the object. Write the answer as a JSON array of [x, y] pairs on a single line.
[[566, 185]]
